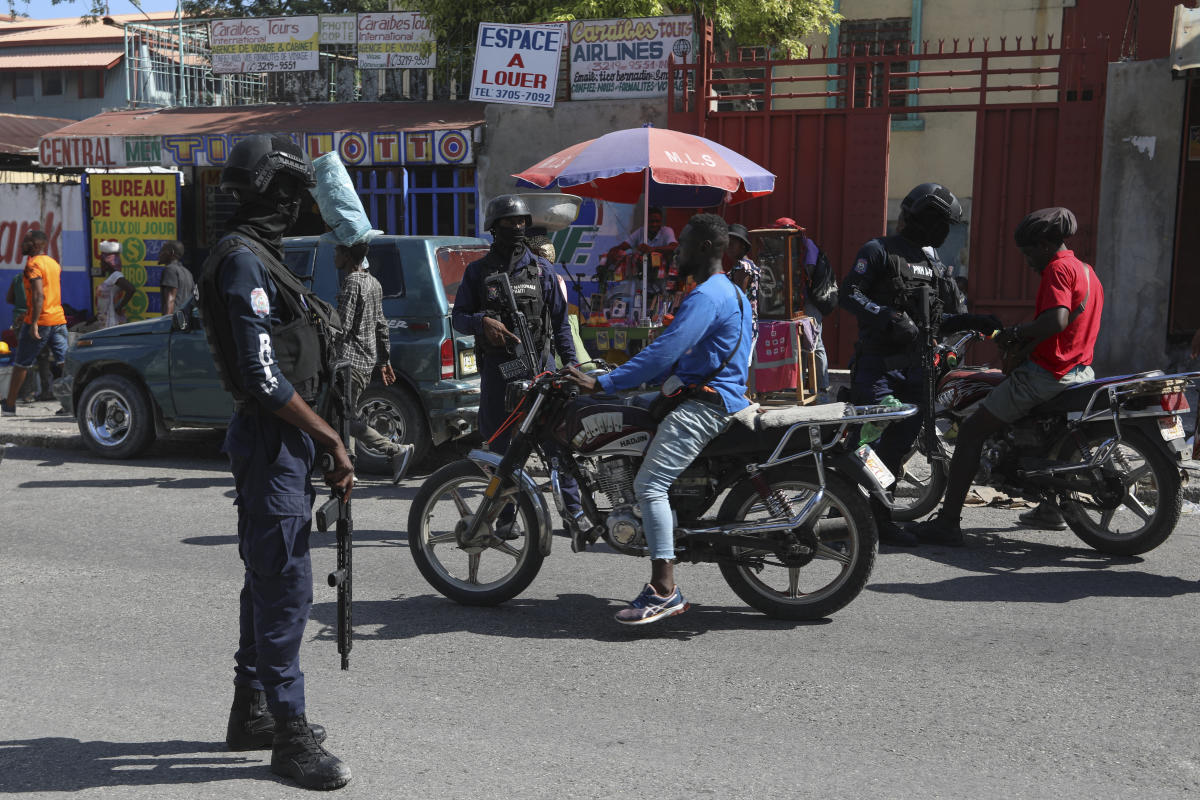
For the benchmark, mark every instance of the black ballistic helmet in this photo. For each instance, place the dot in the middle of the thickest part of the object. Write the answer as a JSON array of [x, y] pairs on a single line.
[[929, 201], [257, 160], [506, 205]]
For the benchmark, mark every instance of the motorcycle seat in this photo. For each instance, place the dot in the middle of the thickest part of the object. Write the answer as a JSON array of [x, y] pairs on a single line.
[[1077, 397], [757, 431]]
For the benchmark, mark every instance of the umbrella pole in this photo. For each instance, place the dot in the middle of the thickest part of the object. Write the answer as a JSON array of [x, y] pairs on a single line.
[[645, 240]]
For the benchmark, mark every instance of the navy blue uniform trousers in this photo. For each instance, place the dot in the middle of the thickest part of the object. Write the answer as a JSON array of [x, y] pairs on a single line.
[[872, 381], [492, 416], [271, 462]]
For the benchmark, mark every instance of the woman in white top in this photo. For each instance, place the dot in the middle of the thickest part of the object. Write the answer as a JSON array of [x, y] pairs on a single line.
[[116, 291]]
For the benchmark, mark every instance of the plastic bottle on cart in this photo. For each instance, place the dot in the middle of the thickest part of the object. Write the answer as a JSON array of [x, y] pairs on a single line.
[[871, 431]]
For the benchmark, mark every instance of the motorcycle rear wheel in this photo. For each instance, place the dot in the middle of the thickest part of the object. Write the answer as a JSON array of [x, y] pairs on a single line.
[[846, 544], [1151, 507], [488, 576], [920, 485]]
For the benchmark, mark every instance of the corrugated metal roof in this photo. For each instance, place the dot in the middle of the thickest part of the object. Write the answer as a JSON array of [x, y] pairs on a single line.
[[306, 118], [70, 30], [20, 133], [106, 58]]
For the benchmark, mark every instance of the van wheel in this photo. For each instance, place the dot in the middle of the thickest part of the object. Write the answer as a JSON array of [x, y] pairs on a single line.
[[116, 418], [396, 415]]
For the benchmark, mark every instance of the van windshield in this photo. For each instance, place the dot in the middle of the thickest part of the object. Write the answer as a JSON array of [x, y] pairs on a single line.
[[452, 262]]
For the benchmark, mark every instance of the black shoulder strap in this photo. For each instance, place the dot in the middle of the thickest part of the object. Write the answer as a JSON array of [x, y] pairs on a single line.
[[299, 296], [1079, 309]]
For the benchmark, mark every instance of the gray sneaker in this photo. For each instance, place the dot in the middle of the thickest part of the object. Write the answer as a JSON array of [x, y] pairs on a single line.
[[1046, 517]]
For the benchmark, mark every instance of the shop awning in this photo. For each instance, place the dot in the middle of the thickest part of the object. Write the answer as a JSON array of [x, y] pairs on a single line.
[[363, 134], [19, 133]]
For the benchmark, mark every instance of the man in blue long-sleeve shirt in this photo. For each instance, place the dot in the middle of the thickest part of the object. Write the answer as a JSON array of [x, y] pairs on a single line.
[[704, 347], [478, 310]]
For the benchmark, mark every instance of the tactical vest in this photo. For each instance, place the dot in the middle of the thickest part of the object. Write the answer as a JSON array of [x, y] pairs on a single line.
[[303, 342], [526, 285], [902, 289]]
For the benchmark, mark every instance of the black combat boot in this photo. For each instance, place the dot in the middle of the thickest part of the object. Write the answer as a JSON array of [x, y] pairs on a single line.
[[297, 754], [251, 725]]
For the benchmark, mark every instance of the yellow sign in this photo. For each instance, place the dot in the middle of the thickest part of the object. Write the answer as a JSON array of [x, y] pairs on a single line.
[[141, 214]]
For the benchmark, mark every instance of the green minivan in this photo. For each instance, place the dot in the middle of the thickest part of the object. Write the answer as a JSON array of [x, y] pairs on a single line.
[[128, 384]]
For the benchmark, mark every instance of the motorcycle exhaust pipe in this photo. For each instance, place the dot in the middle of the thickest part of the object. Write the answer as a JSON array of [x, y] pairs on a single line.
[[809, 508]]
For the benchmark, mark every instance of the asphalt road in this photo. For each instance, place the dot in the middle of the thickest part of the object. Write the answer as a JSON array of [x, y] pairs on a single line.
[[1023, 666]]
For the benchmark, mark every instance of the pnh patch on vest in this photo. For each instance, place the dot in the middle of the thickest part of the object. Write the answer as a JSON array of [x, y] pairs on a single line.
[[259, 303], [860, 266]]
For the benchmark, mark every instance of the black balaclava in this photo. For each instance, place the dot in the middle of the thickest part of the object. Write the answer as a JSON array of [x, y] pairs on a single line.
[[267, 217], [509, 242], [929, 229]]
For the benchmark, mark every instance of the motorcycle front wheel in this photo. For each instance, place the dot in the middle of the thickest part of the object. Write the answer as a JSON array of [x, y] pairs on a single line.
[[1148, 512], [840, 542], [922, 481], [476, 576]]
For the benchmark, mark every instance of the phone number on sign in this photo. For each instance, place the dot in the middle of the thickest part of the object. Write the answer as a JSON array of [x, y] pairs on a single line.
[[514, 95]]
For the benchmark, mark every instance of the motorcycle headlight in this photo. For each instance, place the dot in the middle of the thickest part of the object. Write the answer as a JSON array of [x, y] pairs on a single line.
[[514, 393]]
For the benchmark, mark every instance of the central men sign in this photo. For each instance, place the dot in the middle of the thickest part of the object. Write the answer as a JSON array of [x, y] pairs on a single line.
[[517, 64]]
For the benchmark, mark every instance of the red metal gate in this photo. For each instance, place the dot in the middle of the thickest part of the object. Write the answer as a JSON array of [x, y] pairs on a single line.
[[832, 162]]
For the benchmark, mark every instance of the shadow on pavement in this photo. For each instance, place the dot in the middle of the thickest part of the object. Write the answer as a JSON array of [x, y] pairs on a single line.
[[59, 764], [570, 616], [1005, 573]]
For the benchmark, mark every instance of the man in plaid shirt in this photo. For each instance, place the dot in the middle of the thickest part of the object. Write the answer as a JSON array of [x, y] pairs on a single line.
[[366, 344]]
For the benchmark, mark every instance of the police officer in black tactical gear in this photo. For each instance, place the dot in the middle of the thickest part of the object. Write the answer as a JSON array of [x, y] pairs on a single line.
[[478, 310], [885, 290], [269, 338]]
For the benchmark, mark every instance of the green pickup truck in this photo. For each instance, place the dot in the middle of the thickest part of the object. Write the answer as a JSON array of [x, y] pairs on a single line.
[[128, 384]]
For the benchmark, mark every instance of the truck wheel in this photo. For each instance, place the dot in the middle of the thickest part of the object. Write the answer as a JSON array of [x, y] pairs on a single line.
[[116, 418], [396, 415]]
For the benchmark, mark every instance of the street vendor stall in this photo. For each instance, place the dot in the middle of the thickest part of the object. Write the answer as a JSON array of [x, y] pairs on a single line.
[[661, 168], [783, 357]]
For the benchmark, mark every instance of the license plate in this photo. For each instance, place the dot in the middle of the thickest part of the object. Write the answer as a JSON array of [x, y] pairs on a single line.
[[1170, 428], [873, 462], [466, 363]]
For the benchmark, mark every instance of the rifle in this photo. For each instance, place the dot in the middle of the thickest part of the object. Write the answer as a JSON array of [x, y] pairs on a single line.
[[337, 508], [930, 313], [525, 362]]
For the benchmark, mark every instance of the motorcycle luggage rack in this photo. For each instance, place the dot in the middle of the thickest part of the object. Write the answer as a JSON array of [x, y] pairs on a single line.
[[856, 415], [1141, 384]]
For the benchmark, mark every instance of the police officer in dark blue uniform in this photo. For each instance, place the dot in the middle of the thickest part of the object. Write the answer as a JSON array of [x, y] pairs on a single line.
[[268, 336], [884, 291], [478, 311]]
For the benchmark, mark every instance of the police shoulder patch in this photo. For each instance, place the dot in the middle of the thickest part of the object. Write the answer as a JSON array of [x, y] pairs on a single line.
[[860, 266], [258, 302]]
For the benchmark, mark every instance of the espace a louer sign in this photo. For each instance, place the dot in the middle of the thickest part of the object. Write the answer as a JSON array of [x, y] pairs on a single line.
[[517, 64]]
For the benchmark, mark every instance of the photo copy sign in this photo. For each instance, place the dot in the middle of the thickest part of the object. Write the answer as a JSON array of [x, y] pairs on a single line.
[[273, 44], [517, 64]]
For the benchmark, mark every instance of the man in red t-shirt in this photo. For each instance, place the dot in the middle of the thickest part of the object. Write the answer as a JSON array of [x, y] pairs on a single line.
[[1061, 338]]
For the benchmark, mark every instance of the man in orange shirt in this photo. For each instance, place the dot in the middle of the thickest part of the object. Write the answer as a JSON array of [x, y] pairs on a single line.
[[46, 324]]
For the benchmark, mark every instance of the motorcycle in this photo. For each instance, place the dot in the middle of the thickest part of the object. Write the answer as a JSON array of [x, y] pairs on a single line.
[[1108, 452], [793, 535]]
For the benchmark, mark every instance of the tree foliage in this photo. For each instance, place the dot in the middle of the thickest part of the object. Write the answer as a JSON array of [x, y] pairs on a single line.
[[776, 23]]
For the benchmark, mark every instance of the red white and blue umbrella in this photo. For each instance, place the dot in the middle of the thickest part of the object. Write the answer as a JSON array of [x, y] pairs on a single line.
[[676, 170]]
